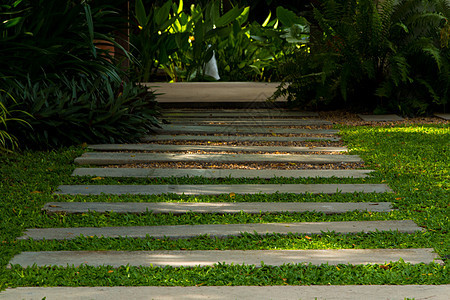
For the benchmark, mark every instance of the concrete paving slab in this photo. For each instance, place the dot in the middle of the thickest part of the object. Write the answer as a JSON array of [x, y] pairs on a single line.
[[443, 116], [215, 92], [218, 173], [179, 148], [209, 189], [224, 129], [202, 258], [231, 138], [381, 118], [248, 122], [249, 111], [221, 230], [214, 207], [110, 158], [319, 292], [237, 113]]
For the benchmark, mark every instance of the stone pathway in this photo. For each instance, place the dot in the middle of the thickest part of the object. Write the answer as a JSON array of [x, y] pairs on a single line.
[[192, 258], [220, 230], [217, 173], [226, 128], [320, 292], [213, 207], [210, 189], [443, 116]]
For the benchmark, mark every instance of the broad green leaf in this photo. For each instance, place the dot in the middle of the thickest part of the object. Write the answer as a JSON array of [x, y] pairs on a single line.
[[289, 18], [229, 17], [141, 15], [162, 14]]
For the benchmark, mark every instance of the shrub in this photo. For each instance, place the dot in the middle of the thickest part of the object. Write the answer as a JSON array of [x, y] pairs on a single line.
[[386, 57], [182, 40], [74, 91]]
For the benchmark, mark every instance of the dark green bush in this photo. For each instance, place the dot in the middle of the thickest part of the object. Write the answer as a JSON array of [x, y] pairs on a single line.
[[52, 65], [388, 57]]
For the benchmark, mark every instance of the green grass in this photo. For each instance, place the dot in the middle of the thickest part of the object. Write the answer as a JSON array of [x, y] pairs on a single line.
[[413, 160]]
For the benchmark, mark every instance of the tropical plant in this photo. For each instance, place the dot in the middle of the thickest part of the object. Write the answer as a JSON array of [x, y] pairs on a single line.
[[74, 91], [182, 41], [8, 142], [386, 56], [87, 111]]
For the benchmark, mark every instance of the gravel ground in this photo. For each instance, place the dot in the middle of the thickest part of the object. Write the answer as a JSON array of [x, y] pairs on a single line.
[[248, 166], [235, 152], [255, 143], [352, 119]]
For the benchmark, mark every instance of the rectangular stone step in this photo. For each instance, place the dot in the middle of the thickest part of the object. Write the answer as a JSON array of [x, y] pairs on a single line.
[[179, 148], [209, 189], [443, 116], [224, 129], [110, 158], [248, 122], [218, 173], [236, 113], [236, 138], [214, 207], [193, 258], [214, 92], [288, 292], [221, 230]]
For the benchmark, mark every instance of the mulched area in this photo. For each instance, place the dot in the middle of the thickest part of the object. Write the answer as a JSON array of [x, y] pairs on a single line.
[[236, 152], [248, 166], [352, 119], [268, 134], [256, 143]]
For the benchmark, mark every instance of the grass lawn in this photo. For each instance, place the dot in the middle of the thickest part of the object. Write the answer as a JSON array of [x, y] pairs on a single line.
[[414, 160]]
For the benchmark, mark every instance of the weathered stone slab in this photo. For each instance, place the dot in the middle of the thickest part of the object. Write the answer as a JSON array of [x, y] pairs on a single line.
[[443, 116], [217, 173], [231, 138], [176, 148], [249, 122], [206, 129], [320, 292], [238, 114], [109, 158], [220, 230], [216, 92], [381, 118], [214, 207], [209, 189], [175, 258]]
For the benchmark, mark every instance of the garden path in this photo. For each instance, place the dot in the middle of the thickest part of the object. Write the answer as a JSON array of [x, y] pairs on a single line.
[[246, 151]]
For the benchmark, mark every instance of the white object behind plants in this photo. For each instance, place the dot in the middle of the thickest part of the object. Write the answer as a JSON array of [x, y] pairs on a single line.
[[211, 68]]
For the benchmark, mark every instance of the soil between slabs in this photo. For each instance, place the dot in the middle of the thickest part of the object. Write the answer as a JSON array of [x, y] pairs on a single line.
[[247, 166], [255, 143], [351, 119], [268, 134], [233, 152]]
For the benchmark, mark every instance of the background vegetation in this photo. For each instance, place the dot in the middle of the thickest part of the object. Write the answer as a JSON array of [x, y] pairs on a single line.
[[391, 56], [56, 78]]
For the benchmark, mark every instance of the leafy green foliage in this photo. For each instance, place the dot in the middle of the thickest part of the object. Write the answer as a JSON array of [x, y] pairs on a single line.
[[391, 57], [183, 41], [97, 111], [71, 90]]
